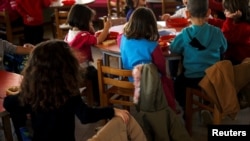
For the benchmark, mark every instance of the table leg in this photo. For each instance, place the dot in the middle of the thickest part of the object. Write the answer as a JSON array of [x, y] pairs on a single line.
[[7, 127]]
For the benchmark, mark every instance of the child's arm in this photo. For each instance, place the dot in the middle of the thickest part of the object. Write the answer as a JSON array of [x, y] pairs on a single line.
[[159, 60], [216, 22], [16, 6], [104, 32], [23, 50]]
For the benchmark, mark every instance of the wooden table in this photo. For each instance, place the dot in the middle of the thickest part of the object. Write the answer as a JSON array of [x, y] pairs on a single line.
[[7, 79]]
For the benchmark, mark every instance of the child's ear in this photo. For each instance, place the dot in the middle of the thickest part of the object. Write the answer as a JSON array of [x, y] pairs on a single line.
[[188, 14], [208, 12]]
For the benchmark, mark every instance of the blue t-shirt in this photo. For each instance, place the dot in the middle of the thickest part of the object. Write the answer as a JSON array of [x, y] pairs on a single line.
[[136, 51]]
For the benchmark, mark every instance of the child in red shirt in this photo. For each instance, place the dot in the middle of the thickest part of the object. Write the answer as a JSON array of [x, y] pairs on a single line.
[[32, 14], [6, 5], [236, 29], [81, 37]]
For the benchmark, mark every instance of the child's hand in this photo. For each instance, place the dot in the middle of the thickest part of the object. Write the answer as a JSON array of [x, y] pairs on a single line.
[[107, 24], [124, 114], [165, 17], [236, 14], [27, 45], [29, 18]]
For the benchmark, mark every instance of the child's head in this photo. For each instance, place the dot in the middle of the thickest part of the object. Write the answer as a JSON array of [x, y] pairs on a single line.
[[197, 8], [81, 16], [234, 5], [51, 75], [135, 3], [142, 24]]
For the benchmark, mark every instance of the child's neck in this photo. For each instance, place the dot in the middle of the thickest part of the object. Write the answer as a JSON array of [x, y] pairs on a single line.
[[75, 29], [198, 21]]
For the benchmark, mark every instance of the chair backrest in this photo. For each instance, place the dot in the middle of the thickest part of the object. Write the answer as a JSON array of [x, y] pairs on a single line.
[[114, 86], [116, 8], [8, 30], [116, 20], [61, 25], [169, 6]]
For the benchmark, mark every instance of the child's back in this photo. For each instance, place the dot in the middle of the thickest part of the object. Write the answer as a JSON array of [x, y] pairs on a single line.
[[139, 46], [200, 44]]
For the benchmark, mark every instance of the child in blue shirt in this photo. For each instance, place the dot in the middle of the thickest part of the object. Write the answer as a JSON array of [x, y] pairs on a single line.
[[201, 46], [139, 45]]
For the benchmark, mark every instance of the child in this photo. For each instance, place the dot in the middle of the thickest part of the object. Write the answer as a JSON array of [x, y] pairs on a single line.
[[180, 13], [81, 37], [200, 45], [217, 8], [32, 14], [132, 5], [236, 29], [13, 14], [49, 94], [139, 45], [7, 47]]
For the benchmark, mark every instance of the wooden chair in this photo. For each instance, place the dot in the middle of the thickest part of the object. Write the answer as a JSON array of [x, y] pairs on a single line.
[[195, 102], [8, 30], [169, 6], [60, 23], [6, 126], [115, 21], [115, 89], [116, 8]]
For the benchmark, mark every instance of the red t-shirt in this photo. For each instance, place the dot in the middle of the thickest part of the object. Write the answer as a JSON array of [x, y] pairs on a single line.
[[32, 10], [82, 42], [5, 5]]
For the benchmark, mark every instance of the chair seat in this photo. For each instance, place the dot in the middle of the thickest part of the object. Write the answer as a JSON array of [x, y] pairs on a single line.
[[120, 91]]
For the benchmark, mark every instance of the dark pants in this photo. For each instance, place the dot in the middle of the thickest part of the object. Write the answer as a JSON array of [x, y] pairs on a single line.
[[173, 67], [93, 76], [33, 34], [180, 85]]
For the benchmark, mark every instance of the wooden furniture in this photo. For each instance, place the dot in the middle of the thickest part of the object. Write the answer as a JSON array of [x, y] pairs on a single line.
[[118, 21], [169, 6], [8, 30], [115, 89], [60, 23], [197, 100], [8, 79], [116, 8]]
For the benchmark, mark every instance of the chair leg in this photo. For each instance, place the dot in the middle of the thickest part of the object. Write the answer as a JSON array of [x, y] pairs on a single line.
[[189, 111], [7, 127]]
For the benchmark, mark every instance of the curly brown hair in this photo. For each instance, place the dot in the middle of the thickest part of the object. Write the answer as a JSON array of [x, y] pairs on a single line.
[[51, 76]]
